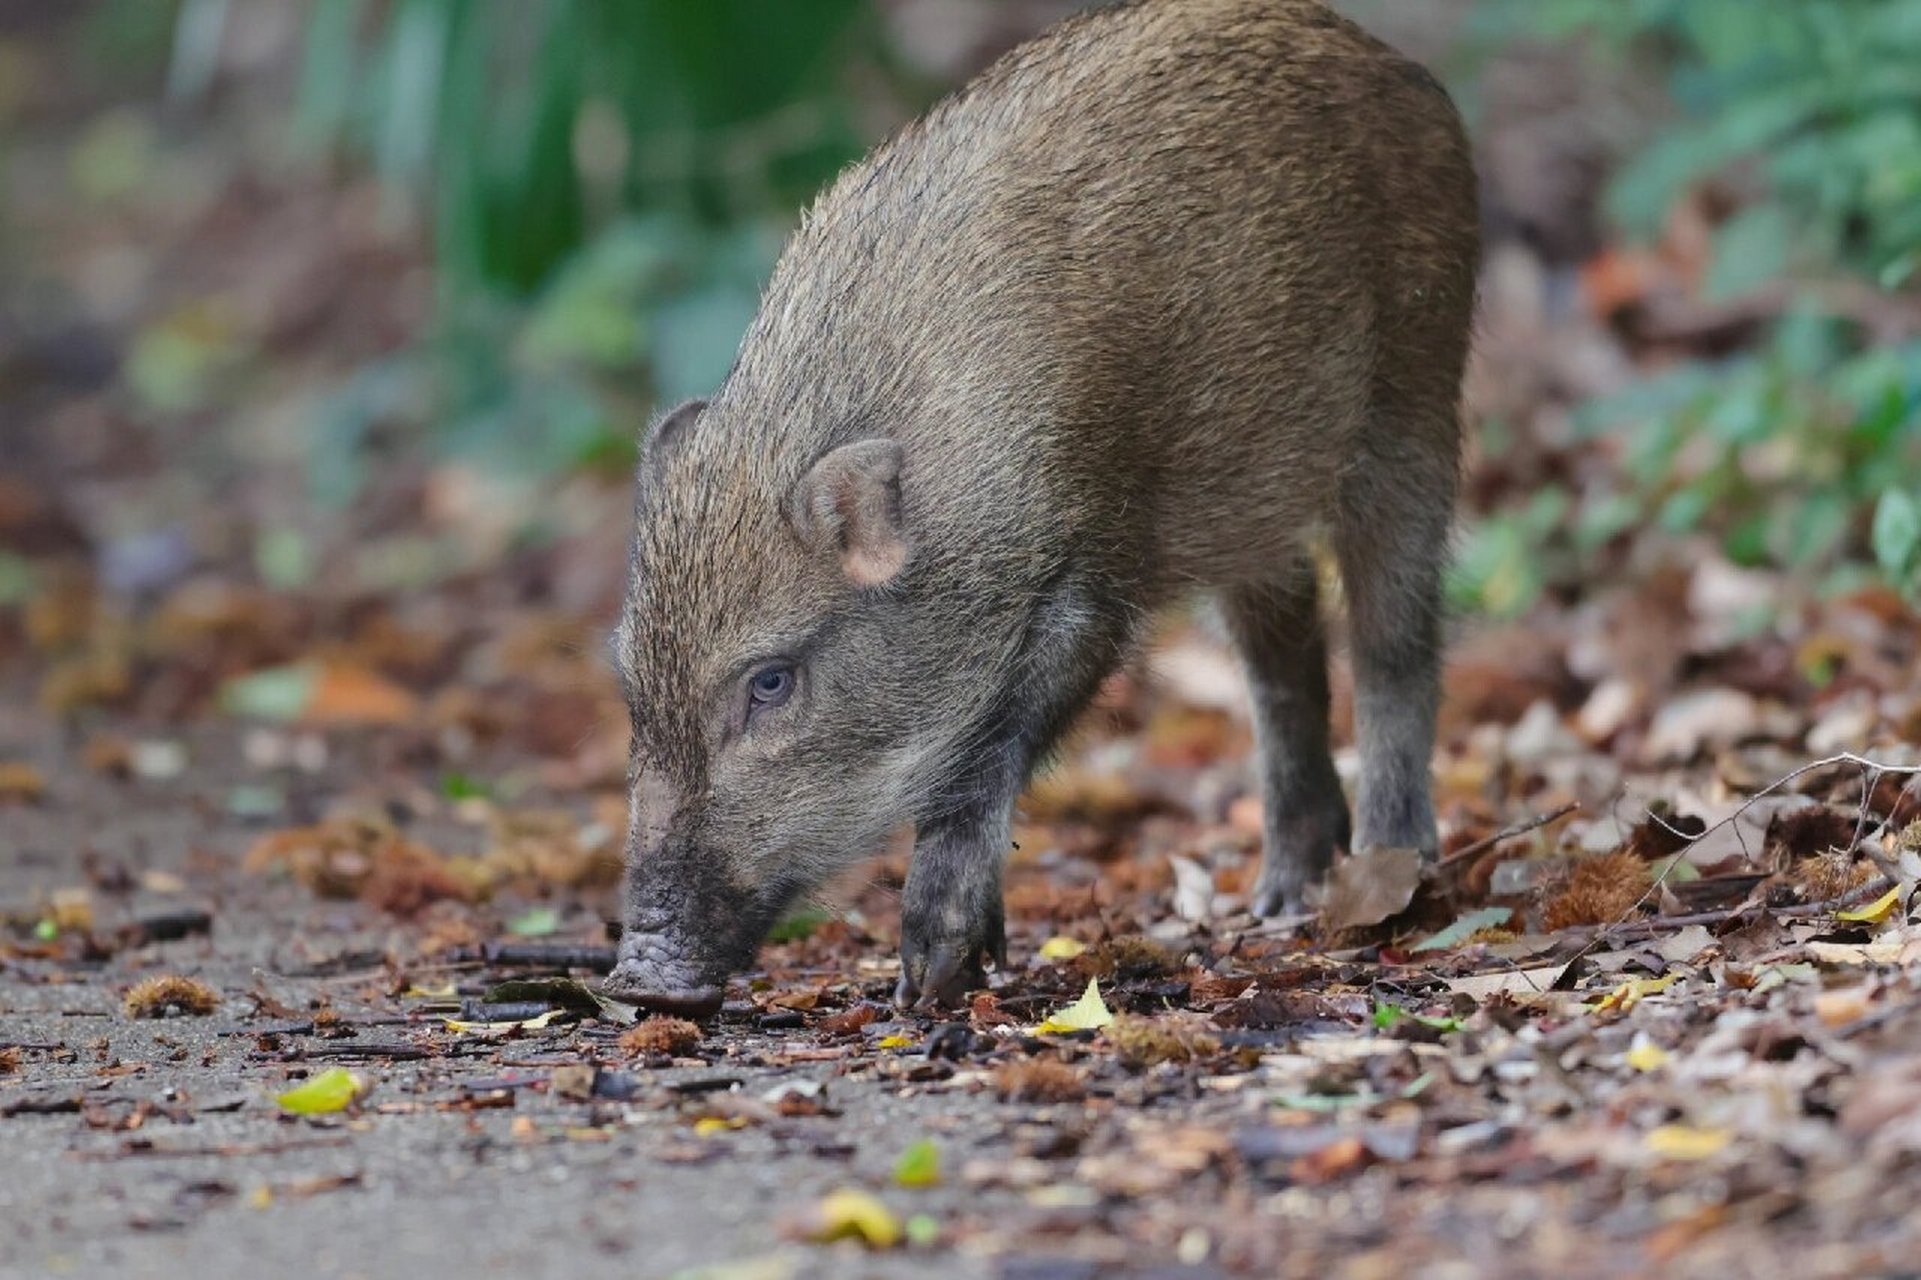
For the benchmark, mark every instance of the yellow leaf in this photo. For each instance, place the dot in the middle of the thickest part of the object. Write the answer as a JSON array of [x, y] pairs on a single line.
[[852, 1214], [896, 1041], [1874, 912], [1063, 948], [1680, 1142], [707, 1126], [261, 1197], [417, 992], [530, 1024], [332, 1090], [1632, 992], [1645, 1055], [1089, 1013]]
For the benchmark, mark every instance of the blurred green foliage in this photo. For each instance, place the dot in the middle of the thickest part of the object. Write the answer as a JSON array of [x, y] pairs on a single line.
[[1811, 113], [607, 183], [1821, 97]]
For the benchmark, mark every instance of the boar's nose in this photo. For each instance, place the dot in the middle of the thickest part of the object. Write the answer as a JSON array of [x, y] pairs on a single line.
[[653, 974]]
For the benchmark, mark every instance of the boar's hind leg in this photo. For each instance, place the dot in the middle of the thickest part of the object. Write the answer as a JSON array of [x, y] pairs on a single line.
[[1392, 547], [1277, 629]]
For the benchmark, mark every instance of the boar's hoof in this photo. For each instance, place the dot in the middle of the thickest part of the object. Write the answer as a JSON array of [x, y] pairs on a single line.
[[938, 977], [1273, 900], [630, 983]]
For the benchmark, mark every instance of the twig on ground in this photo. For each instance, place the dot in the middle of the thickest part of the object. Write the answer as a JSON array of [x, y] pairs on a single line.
[[395, 1052], [137, 1147], [1521, 828]]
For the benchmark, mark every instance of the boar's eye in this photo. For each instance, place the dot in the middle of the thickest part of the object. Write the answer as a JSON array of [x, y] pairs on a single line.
[[770, 687]]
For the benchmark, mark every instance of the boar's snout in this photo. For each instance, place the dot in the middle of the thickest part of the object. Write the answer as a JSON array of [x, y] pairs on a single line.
[[656, 974]]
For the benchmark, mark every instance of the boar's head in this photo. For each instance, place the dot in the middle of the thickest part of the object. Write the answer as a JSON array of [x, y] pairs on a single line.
[[781, 713]]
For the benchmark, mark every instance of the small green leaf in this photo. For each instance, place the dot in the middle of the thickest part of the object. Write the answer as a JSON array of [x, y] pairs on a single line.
[[1388, 1015], [458, 786], [284, 559], [919, 1165], [535, 923], [16, 580], [1750, 249], [332, 1090], [1464, 928], [1674, 869], [278, 693], [798, 924]]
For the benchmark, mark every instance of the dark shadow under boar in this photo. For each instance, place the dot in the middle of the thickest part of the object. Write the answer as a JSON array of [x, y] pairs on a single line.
[[1162, 303]]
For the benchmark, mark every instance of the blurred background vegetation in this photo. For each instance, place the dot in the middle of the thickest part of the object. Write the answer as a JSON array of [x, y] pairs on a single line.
[[1781, 175], [369, 236]]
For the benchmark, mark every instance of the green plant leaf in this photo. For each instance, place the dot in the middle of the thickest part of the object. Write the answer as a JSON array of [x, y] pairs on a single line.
[[919, 1165], [1897, 533], [278, 693], [1750, 249], [1387, 1015], [797, 924], [1464, 928], [332, 1090], [538, 922]]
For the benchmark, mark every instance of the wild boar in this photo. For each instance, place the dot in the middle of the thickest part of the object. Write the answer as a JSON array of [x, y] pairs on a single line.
[[1161, 304]]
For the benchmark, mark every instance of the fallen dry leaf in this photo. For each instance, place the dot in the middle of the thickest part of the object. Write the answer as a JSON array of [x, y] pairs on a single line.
[[1516, 982], [1367, 888]]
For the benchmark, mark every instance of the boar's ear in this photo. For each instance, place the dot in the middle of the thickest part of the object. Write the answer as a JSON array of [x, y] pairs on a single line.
[[669, 425], [850, 501]]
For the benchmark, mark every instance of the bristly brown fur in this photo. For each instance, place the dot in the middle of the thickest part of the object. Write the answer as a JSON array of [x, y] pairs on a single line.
[[1161, 302]]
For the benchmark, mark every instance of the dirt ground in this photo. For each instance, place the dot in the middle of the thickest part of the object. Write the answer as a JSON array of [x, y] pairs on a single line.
[[153, 1147], [1303, 1138]]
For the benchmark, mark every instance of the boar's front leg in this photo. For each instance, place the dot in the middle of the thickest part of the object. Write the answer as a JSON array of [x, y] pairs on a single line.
[[1277, 629], [951, 913]]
